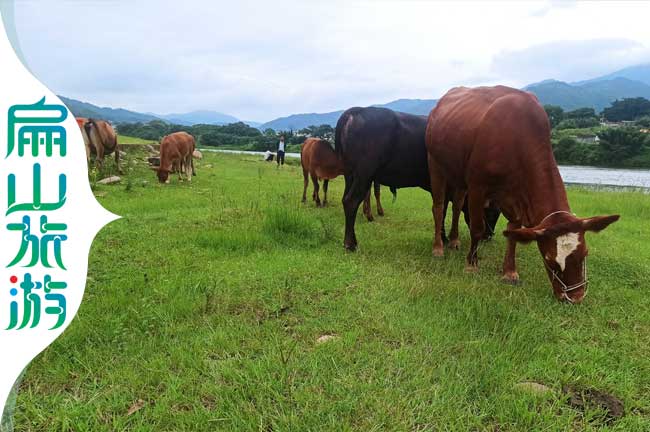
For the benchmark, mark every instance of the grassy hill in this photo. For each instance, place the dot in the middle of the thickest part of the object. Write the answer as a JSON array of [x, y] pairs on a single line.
[[206, 301]]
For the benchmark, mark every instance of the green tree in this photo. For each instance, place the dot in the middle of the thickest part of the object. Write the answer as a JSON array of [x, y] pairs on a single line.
[[555, 114], [627, 109], [617, 144]]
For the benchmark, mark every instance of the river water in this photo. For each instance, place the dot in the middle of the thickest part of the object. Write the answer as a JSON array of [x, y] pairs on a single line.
[[611, 177]]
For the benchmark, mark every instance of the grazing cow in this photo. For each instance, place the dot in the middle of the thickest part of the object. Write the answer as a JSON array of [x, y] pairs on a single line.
[[495, 143], [176, 152], [320, 161], [100, 140], [384, 146]]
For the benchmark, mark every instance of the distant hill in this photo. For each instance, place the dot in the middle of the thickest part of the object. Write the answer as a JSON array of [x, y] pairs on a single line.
[[199, 117], [411, 106], [639, 73], [596, 94], [114, 115], [120, 115], [301, 121]]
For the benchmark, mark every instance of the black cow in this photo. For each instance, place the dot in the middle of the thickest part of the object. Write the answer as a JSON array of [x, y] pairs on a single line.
[[377, 144]]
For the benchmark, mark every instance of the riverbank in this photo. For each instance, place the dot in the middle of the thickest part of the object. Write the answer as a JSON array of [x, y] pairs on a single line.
[[608, 178]]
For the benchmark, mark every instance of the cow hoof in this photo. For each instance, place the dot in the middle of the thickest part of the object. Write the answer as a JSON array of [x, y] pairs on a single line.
[[471, 268], [454, 244], [511, 278], [438, 252], [304, 200], [371, 219], [380, 212], [350, 248]]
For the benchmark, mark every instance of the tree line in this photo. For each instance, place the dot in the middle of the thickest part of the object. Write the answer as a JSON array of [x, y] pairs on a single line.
[[230, 136], [582, 137]]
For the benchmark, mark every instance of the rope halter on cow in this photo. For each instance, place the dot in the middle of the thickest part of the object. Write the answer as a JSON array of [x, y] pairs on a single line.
[[566, 289]]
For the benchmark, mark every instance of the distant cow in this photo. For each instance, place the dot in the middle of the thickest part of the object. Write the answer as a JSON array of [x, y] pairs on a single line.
[[100, 140], [377, 144], [320, 161], [176, 152], [495, 143]]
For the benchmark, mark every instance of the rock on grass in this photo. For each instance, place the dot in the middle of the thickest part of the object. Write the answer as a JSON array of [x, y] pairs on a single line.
[[110, 180]]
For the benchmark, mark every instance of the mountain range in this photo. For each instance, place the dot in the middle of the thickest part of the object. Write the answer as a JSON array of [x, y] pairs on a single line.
[[597, 93]]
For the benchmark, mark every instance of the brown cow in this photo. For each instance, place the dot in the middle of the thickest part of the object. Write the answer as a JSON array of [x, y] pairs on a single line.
[[320, 161], [176, 151], [495, 143], [100, 140]]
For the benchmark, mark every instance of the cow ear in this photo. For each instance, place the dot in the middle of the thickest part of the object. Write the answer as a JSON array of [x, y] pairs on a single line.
[[524, 235], [598, 223]]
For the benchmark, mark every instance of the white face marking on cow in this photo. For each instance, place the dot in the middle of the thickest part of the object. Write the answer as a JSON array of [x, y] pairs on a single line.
[[566, 244]]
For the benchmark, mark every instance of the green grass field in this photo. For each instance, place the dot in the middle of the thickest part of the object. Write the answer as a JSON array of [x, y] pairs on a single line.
[[205, 301], [125, 140]]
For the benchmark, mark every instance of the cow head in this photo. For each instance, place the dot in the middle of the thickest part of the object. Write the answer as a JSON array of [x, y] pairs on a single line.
[[163, 175], [561, 241]]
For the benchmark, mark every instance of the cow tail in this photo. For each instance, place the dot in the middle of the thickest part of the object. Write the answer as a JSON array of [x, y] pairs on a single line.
[[340, 125], [393, 190]]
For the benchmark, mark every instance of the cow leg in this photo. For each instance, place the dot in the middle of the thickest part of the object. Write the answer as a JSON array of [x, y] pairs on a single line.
[[510, 274], [476, 199], [351, 200], [380, 209], [192, 163], [314, 180], [99, 157], [305, 177], [188, 167], [458, 200], [87, 152], [438, 188], [443, 233], [367, 207], [325, 184], [117, 159]]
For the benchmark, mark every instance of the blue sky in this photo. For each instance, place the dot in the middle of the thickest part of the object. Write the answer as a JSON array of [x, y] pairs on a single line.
[[260, 60]]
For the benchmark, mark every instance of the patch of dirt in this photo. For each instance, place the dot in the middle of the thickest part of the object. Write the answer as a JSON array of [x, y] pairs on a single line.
[[583, 399], [325, 338]]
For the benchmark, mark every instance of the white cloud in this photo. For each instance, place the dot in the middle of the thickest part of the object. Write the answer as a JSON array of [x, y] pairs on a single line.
[[260, 60]]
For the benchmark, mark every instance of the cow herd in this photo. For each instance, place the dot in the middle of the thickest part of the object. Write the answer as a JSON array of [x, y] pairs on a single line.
[[485, 150]]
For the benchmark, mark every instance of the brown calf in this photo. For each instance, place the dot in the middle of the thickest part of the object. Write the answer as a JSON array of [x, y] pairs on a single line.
[[176, 152], [320, 161]]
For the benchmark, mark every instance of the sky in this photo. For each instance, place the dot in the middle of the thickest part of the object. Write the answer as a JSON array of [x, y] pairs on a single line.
[[258, 60]]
